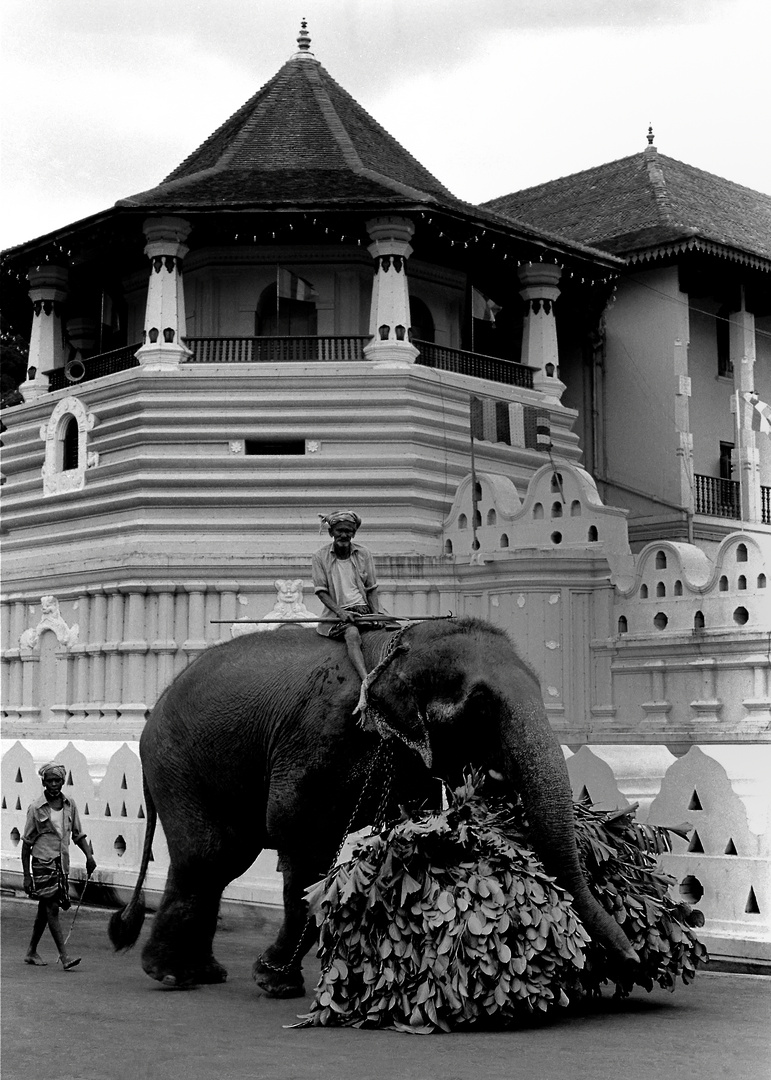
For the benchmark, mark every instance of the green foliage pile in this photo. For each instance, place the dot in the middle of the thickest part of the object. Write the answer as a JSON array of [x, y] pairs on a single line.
[[448, 921], [619, 859]]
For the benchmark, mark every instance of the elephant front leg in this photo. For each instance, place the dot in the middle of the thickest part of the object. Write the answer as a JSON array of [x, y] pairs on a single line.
[[278, 970]]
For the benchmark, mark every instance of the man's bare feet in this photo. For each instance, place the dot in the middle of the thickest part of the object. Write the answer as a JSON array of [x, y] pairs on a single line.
[[37, 961], [69, 964]]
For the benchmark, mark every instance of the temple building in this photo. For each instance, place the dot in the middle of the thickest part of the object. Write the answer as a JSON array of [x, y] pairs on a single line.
[[542, 408]]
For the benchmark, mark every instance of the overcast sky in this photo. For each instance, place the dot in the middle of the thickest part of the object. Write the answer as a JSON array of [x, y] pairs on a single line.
[[103, 98]]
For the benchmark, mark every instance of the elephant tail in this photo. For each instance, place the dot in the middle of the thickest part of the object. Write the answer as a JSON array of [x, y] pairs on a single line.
[[126, 923]]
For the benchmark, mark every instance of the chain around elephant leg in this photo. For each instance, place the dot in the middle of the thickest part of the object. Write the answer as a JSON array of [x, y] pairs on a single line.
[[385, 750]]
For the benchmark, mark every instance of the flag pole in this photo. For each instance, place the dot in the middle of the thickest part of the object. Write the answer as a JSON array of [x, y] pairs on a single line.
[[278, 291], [474, 500]]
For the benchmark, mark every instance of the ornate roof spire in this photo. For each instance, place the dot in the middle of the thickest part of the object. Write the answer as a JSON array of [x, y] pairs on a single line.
[[303, 41], [650, 133]]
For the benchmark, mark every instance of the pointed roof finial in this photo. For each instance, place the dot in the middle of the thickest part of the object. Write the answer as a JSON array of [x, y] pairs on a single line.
[[303, 40], [650, 134]]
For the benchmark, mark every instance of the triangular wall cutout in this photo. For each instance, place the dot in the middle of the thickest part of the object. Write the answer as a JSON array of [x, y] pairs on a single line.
[[18, 804], [70, 781], [696, 844], [141, 811], [123, 784], [695, 803], [123, 812], [5, 804], [19, 779], [751, 907], [107, 811], [86, 810], [730, 848]]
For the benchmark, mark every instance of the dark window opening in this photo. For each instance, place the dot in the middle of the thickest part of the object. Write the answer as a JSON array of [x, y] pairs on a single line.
[[70, 439], [284, 316], [266, 447], [723, 335], [421, 321], [726, 466]]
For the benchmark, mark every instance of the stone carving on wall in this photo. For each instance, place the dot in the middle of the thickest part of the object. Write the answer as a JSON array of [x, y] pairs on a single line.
[[289, 605], [51, 619], [56, 479]]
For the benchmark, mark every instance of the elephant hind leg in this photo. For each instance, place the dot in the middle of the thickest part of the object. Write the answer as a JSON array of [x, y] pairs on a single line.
[[179, 952]]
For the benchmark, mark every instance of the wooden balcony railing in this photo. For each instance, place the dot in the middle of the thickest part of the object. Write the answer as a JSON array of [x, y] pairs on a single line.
[[477, 364], [275, 350], [716, 497], [94, 367]]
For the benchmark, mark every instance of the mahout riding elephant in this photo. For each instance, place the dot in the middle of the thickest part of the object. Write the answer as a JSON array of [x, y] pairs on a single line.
[[255, 746]]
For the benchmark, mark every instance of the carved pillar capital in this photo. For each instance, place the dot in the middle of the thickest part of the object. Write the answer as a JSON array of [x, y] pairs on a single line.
[[47, 291], [390, 310], [540, 291], [165, 322]]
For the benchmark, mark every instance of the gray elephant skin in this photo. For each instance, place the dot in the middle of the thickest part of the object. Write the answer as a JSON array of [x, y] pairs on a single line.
[[255, 746]]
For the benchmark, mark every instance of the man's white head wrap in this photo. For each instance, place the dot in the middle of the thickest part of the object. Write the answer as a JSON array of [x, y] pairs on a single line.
[[338, 516], [52, 767]]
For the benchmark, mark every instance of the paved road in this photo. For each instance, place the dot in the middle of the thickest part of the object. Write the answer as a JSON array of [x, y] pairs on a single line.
[[108, 1021]]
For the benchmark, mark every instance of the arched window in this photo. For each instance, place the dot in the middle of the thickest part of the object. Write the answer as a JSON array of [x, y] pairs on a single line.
[[593, 535], [742, 582], [462, 522], [421, 320], [678, 590], [575, 508], [69, 437], [622, 624], [491, 517], [741, 552], [661, 589], [723, 584], [761, 581], [643, 592], [556, 509], [661, 560], [698, 620], [448, 547], [504, 540], [284, 316], [556, 482], [538, 512]]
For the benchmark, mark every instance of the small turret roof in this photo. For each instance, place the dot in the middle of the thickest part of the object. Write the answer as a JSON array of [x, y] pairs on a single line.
[[301, 139]]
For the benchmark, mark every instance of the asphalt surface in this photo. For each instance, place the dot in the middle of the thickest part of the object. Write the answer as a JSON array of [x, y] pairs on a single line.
[[107, 1021]]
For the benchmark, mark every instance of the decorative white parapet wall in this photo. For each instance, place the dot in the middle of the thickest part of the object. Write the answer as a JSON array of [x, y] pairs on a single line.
[[721, 791]]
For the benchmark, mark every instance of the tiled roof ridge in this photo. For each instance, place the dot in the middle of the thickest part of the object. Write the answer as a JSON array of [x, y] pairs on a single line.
[[248, 107], [386, 134], [333, 121]]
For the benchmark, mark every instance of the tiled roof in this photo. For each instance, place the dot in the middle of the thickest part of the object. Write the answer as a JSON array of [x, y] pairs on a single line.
[[301, 138], [643, 202]]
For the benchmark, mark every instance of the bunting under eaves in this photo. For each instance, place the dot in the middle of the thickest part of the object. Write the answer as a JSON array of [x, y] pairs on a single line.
[[510, 422], [761, 413]]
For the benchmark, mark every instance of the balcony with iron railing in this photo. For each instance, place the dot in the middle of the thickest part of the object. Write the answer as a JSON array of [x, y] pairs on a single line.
[[716, 497], [297, 350], [765, 504]]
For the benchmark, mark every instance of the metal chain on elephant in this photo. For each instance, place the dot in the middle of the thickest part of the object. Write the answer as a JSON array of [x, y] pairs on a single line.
[[385, 749]]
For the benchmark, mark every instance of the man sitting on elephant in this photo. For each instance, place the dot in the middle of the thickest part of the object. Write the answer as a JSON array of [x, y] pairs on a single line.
[[344, 580]]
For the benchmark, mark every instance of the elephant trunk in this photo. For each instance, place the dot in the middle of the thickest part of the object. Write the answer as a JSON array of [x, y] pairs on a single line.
[[535, 766]]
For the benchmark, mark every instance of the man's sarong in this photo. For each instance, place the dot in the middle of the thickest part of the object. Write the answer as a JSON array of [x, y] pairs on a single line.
[[49, 881]]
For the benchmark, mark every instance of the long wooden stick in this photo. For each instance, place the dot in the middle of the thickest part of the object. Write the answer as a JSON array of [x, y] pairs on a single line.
[[359, 618]]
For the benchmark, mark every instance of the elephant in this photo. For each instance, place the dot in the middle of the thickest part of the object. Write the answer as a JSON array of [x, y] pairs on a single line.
[[255, 745]]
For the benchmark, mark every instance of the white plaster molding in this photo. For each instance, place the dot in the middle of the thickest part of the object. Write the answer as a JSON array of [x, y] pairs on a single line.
[[56, 480], [289, 605], [51, 619]]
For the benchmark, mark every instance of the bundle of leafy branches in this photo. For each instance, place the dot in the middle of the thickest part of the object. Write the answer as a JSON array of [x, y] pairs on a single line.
[[448, 921]]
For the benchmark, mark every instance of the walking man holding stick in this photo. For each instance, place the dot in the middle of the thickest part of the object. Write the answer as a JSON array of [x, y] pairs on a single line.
[[52, 821]]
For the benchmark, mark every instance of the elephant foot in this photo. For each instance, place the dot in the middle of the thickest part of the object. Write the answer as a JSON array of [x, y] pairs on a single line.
[[211, 973], [278, 984]]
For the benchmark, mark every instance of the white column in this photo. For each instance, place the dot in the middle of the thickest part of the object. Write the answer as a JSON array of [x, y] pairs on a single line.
[[48, 288], [683, 425], [162, 348], [196, 616], [539, 333], [389, 322], [746, 454], [165, 645], [134, 648]]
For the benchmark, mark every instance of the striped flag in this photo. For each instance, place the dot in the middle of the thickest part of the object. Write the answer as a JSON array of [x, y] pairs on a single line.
[[482, 307], [761, 413], [291, 287], [509, 422]]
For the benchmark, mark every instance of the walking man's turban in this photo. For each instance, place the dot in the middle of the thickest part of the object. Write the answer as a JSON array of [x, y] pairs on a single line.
[[52, 767]]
